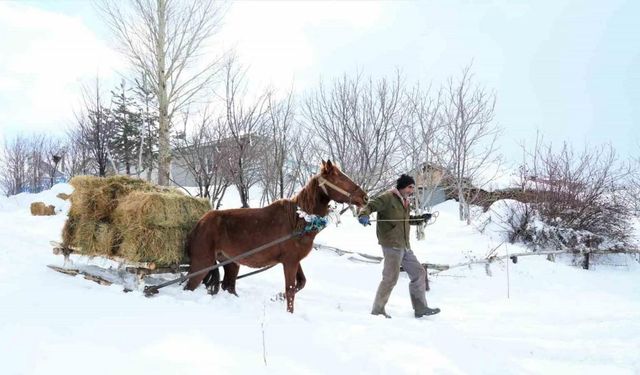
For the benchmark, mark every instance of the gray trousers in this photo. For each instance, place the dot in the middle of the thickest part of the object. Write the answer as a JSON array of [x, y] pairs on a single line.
[[393, 259]]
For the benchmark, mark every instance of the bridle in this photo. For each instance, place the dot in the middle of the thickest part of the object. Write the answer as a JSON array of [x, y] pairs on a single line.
[[323, 181]]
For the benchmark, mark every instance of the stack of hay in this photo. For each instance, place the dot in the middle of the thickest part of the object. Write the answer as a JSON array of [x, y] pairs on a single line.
[[41, 209], [130, 218]]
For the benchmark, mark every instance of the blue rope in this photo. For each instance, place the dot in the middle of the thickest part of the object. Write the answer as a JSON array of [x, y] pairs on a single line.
[[314, 222], [317, 223]]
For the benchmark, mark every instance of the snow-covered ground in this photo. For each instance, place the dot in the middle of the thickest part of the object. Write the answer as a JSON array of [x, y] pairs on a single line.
[[538, 318]]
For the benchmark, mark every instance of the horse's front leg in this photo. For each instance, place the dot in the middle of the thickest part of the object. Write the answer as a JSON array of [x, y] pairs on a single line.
[[301, 280], [290, 272], [212, 281], [230, 276]]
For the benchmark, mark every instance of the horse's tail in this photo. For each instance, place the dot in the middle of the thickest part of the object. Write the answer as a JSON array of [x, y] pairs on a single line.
[[186, 251], [196, 249]]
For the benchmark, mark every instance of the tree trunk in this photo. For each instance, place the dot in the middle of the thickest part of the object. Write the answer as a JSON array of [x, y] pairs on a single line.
[[164, 162]]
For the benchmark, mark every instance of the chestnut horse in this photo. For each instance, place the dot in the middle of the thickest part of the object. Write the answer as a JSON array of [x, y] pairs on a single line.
[[228, 233]]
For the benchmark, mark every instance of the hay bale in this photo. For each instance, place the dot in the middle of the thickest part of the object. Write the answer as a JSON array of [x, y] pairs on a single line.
[[163, 246], [41, 209], [69, 231], [95, 198], [96, 238], [154, 226], [167, 210], [130, 218]]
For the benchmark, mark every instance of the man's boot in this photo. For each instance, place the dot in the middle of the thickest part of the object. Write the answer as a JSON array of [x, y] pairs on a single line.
[[382, 296], [426, 312], [382, 312], [420, 307]]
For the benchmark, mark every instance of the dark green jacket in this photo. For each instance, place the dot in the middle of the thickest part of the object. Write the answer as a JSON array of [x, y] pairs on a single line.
[[389, 207]]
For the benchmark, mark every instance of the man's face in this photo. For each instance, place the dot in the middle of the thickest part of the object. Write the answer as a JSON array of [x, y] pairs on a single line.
[[407, 191]]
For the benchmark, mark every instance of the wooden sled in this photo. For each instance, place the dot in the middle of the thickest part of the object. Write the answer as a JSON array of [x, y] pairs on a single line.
[[109, 270]]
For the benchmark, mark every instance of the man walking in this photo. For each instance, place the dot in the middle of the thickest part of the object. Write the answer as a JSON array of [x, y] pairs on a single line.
[[392, 229]]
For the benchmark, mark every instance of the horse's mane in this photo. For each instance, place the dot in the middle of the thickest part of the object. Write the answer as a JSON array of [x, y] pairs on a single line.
[[306, 200], [307, 197]]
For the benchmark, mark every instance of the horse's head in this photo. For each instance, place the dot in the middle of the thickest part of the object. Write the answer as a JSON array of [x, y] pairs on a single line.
[[339, 187]]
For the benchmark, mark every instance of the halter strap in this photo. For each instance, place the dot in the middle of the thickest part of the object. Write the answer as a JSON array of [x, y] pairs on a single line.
[[323, 181]]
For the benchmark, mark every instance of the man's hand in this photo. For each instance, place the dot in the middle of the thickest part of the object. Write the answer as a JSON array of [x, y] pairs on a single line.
[[426, 217], [364, 220]]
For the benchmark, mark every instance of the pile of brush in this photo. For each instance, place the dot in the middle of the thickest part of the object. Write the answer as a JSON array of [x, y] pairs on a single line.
[[130, 218]]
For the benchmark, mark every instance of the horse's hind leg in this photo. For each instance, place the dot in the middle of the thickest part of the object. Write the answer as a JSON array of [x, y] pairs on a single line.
[[196, 265], [230, 276], [212, 281], [301, 280]]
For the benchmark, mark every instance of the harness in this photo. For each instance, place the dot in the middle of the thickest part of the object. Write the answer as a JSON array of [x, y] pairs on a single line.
[[323, 181]]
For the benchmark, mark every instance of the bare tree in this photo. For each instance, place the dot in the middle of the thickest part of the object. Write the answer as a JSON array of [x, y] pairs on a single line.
[[421, 145], [15, 161], [164, 39], [279, 173], [77, 158], [243, 128], [582, 190], [30, 163], [467, 114], [633, 186], [54, 152], [94, 131], [36, 169], [198, 153], [355, 122]]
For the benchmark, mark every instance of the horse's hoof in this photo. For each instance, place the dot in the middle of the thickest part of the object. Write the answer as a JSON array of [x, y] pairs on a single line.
[[232, 291], [213, 291]]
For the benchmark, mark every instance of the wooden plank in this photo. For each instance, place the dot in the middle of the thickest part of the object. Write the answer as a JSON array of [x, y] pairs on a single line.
[[66, 271], [87, 275]]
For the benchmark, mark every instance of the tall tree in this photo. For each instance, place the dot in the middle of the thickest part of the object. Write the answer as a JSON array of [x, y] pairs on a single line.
[[421, 147], [279, 173], [94, 130], [15, 161], [198, 153], [242, 126], [355, 122], [164, 39], [148, 147], [470, 137], [127, 125]]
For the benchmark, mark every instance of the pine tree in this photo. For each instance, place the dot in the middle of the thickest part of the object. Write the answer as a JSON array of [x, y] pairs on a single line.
[[127, 125], [148, 147]]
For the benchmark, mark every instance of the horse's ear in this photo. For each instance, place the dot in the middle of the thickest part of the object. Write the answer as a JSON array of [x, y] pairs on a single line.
[[330, 167]]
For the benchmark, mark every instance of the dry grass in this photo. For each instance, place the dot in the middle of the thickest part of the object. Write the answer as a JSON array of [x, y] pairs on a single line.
[[154, 226], [41, 209], [130, 218]]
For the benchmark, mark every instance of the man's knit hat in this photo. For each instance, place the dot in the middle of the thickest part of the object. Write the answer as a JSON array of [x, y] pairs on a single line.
[[404, 181]]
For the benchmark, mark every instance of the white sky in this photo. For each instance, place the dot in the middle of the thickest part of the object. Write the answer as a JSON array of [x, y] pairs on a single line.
[[567, 68]]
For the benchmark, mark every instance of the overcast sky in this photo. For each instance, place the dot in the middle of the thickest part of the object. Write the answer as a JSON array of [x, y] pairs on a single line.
[[570, 69]]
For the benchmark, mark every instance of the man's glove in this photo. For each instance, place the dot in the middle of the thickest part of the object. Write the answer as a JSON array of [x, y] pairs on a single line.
[[364, 220], [426, 217]]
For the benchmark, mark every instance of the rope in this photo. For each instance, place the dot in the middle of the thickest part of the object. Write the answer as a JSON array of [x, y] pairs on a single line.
[[153, 289], [434, 216]]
